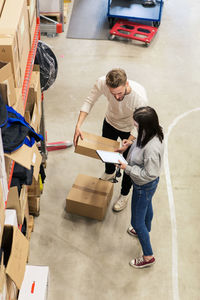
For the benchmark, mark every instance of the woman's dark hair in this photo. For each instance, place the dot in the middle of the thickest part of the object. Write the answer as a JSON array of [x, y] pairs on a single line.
[[148, 125]]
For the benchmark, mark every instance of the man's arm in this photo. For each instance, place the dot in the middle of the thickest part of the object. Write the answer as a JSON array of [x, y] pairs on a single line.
[[89, 102], [80, 121]]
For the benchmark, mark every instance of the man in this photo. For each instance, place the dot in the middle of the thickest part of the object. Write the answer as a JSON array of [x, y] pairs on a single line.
[[124, 96]]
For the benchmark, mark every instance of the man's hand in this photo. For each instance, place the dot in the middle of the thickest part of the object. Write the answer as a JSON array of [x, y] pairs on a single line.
[[77, 133]]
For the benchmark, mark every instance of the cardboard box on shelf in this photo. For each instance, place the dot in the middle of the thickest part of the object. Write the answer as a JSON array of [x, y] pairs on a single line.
[[19, 105], [34, 205], [89, 197], [24, 57], [36, 119], [92, 142], [31, 5], [27, 220], [1, 6], [35, 277], [15, 246], [17, 202], [3, 174], [8, 167], [34, 93], [32, 29], [12, 290], [34, 188], [2, 213], [3, 287], [7, 88], [9, 53], [14, 20], [33, 105]]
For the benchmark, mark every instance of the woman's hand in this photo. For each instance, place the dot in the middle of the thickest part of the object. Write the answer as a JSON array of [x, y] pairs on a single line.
[[125, 145], [122, 165]]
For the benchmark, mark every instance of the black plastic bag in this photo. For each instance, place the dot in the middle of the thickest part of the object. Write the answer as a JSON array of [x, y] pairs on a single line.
[[47, 61]]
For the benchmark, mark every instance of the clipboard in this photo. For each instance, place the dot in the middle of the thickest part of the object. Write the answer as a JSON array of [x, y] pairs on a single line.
[[111, 157]]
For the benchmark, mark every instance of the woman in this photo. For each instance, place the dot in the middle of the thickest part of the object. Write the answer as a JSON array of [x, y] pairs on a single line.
[[144, 164]]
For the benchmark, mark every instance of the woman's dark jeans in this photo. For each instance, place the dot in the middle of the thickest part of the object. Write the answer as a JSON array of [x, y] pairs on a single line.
[[142, 213]]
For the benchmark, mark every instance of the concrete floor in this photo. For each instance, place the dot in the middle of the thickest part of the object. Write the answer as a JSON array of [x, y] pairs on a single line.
[[88, 259]]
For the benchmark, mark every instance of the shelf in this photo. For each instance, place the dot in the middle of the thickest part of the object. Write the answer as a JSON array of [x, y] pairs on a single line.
[[26, 82], [29, 66]]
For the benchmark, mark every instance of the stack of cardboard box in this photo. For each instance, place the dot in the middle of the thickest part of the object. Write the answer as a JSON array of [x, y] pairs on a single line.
[[90, 196], [17, 24]]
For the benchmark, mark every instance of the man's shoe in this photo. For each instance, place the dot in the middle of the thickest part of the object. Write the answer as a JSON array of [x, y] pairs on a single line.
[[121, 203], [107, 177], [140, 263], [132, 231]]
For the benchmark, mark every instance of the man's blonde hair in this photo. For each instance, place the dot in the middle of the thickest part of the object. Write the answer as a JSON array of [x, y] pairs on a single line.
[[116, 78]]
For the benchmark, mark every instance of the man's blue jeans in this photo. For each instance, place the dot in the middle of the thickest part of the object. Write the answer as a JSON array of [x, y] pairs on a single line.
[[142, 213]]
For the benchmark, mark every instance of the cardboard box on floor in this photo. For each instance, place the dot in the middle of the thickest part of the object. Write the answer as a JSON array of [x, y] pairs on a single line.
[[35, 283], [92, 142], [15, 246], [89, 197], [7, 88]]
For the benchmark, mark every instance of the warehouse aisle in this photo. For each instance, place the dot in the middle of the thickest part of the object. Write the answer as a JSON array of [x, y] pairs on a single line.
[[89, 259]]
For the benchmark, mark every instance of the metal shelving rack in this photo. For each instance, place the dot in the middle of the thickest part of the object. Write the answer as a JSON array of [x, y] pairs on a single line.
[[26, 82]]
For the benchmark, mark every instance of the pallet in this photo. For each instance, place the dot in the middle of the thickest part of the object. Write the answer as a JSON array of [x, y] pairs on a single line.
[[56, 16]]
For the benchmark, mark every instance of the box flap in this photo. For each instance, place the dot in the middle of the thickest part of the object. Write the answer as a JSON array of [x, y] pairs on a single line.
[[22, 156], [15, 247], [17, 203], [13, 198]]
